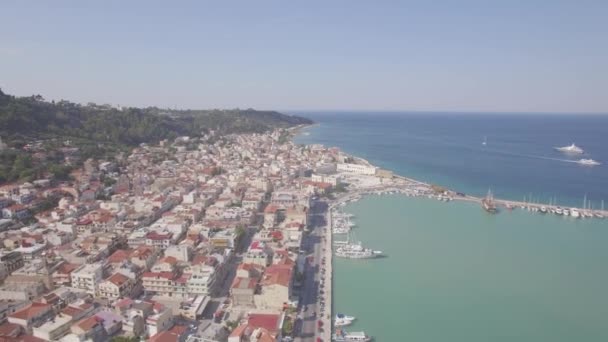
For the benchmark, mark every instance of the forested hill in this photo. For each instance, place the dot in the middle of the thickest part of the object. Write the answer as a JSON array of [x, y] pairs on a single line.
[[33, 117]]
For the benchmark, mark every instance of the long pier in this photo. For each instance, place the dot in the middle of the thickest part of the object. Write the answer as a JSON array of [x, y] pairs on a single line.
[[415, 188]]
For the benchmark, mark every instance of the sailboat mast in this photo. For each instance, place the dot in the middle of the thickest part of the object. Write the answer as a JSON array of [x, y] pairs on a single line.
[[585, 202]]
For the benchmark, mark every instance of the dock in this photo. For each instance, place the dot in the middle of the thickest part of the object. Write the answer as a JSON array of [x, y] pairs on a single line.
[[414, 188]]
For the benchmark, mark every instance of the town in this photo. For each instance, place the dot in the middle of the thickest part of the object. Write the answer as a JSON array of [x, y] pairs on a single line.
[[223, 241]]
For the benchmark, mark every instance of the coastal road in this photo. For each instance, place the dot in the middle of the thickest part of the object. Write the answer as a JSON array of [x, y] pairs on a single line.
[[310, 308]]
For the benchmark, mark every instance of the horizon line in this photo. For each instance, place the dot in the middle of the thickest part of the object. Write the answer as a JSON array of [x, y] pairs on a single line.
[[438, 111]]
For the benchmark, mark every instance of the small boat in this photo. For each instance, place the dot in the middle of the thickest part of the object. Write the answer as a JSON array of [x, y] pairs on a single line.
[[485, 141], [588, 162], [570, 149], [559, 211], [566, 212], [343, 320]]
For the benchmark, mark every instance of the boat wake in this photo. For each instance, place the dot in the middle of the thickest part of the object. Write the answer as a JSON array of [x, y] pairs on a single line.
[[485, 149], [531, 156]]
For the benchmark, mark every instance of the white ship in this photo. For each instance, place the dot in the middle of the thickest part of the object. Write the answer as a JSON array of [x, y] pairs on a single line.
[[344, 336], [343, 320], [589, 162], [356, 251], [570, 149]]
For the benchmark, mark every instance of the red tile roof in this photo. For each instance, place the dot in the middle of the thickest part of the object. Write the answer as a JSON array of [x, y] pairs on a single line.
[[278, 274], [118, 279], [270, 209], [169, 260], [33, 310], [89, 323], [10, 330], [158, 236], [119, 256], [269, 322], [244, 283]]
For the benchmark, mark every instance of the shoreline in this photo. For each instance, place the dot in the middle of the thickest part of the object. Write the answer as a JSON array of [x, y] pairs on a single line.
[[451, 194], [403, 185]]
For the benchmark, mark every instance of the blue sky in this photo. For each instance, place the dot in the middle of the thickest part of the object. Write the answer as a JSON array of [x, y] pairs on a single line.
[[525, 56]]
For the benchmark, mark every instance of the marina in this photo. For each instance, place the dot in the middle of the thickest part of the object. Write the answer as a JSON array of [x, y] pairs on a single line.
[[466, 252], [362, 190], [412, 188]]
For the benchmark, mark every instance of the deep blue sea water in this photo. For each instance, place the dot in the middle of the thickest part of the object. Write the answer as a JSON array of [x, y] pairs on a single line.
[[446, 149], [453, 272]]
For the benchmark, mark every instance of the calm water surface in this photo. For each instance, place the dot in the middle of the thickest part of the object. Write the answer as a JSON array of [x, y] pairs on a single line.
[[454, 272]]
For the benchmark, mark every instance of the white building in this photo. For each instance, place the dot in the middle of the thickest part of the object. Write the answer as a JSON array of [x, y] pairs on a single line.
[[331, 179], [356, 168], [179, 252], [88, 277]]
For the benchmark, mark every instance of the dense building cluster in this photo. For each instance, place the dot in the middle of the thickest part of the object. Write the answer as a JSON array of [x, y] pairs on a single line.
[[179, 229]]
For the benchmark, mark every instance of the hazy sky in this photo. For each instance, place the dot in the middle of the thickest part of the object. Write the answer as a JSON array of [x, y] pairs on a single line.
[[385, 55]]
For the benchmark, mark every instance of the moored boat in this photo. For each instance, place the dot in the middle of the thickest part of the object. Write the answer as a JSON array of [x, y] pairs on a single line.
[[343, 320], [488, 203], [343, 336], [574, 213], [356, 251]]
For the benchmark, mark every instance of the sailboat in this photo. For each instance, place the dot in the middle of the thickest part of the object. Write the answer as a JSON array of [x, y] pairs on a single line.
[[600, 214], [488, 203]]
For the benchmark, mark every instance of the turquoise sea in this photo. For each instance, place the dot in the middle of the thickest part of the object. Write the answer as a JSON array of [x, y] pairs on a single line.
[[454, 272]]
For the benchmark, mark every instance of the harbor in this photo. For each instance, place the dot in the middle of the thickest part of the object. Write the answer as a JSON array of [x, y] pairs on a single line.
[[412, 188], [340, 223], [458, 265], [347, 228]]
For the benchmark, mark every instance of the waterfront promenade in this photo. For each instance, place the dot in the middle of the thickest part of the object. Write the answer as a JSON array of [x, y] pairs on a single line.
[[328, 275]]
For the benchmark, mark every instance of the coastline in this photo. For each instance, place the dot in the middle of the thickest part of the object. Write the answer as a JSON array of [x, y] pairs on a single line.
[[399, 184], [451, 194]]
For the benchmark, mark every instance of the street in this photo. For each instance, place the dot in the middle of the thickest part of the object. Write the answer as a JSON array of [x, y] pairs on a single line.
[[312, 307]]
